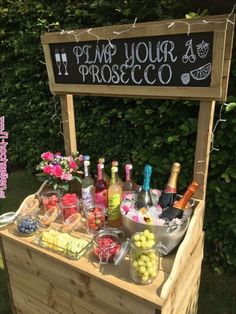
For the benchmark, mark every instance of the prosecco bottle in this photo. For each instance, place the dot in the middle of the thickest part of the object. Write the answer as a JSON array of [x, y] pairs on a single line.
[[177, 209], [168, 194], [144, 198]]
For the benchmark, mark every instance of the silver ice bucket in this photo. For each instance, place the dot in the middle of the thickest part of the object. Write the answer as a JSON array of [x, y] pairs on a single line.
[[169, 235]]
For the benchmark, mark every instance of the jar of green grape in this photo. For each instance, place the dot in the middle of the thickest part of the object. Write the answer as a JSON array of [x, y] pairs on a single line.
[[144, 257]]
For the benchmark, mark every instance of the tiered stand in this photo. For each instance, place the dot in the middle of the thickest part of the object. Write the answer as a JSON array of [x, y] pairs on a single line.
[[44, 282]]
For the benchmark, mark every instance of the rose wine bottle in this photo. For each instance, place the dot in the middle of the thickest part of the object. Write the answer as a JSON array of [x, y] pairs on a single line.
[[105, 176], [87, 185], [128, 185], [100, 188], [168, 194], [176, 211], [144, 198], [114, 200]]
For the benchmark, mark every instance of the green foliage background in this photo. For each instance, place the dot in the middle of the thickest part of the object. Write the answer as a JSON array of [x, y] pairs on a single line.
[[154, 131]]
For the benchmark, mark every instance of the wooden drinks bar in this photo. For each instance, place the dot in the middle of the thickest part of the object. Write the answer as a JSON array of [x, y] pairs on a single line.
[[192, 61]]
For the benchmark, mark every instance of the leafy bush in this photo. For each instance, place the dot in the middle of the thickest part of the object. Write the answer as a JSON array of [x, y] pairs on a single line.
[[154, 131]]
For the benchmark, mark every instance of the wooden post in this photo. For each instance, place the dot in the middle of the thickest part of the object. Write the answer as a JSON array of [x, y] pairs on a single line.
[[203, 146], [2, 253], [68, 120]]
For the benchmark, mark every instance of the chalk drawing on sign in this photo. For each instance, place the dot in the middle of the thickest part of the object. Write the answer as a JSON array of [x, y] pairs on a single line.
[[189, 54], [185, 78], [58, 61], [64, 60], [201, 73], [202, 49]]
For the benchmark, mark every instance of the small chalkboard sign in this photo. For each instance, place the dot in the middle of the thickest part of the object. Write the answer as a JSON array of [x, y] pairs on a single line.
[[153, 59], [173, 60]]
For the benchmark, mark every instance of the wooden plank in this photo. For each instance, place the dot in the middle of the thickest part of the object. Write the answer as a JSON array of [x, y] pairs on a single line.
[[137, 91], [203, 146], [2, 255], [116, 280], [48, 296], [218, 58], [228, 55], [141, 29], [52, 290], [68, 121], [184, 294], [48, 60], [26, 304], [186, 249], [58, 299]]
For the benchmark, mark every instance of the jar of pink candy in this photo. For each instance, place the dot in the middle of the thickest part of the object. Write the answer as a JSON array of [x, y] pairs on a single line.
[[69, 205]]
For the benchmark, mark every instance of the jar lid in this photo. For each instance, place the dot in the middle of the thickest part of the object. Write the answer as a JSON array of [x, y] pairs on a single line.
[[122, 253]]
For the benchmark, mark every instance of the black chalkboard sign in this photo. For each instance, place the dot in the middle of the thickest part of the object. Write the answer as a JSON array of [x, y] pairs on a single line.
[[168, 60]]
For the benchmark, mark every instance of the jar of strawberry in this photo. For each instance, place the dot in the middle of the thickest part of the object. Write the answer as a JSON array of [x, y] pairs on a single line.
[[106, 246], [69, 205]]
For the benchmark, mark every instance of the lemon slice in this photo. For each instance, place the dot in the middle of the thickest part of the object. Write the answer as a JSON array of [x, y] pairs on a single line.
[[201, 73]]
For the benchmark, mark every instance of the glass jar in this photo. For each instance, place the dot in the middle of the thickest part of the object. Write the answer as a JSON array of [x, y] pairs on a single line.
[[95, 218], [69, 205], [106, 246], [50, 199], [144, 262], [28, 224]]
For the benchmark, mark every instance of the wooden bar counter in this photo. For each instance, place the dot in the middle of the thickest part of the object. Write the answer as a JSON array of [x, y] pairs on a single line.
[[44, 282]]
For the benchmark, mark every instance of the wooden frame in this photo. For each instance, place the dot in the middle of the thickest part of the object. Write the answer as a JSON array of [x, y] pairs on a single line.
[[221, 26]]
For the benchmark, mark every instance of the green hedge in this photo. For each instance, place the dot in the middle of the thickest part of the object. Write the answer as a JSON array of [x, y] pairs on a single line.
[[154, 131]]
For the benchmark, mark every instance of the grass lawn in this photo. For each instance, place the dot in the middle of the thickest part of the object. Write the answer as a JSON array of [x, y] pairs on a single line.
[[217, 292]]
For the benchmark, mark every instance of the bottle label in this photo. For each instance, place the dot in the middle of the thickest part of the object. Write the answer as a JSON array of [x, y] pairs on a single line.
[[169, 189], [114, 207], [101, 198], [87, 196]]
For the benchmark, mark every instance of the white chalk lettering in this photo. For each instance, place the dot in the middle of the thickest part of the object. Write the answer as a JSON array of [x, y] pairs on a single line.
[[132, 74], [167, 47], [86, 53], [115, 77], [146, 74], [78, 52], [160, 73], [94, 70], [138, 54], [83, 69], [129, 58], [122, 74], [105, 66]]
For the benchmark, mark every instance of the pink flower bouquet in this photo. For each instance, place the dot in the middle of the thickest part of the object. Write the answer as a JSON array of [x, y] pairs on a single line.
[[60, 170]]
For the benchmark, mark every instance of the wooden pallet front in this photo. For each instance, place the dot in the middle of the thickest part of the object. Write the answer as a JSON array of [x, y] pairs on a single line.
[[44, 282]]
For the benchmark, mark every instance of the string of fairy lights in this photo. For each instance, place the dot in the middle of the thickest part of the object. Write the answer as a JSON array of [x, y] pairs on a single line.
[[77, 35]]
